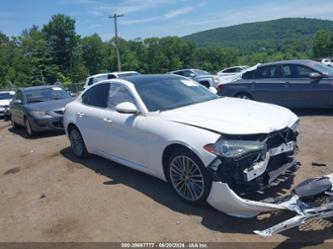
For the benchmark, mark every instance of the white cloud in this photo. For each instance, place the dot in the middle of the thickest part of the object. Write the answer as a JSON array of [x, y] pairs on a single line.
[[95, 13], [127, 6], [94, 26], [168, 15], [137, 21], [178, 12]]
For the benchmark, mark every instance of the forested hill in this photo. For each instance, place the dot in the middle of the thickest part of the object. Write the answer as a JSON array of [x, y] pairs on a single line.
[[274, 35]]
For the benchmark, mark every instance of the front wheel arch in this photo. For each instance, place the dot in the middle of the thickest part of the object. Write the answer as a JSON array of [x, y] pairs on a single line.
[[166, 154], [177, 149]]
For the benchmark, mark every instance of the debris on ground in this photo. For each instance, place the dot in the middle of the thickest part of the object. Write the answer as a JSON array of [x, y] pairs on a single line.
[[319, 164]]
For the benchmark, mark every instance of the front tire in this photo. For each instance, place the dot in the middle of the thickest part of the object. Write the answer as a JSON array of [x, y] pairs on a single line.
[[14, 125], [188, 176], [28, 128], [77, 144]]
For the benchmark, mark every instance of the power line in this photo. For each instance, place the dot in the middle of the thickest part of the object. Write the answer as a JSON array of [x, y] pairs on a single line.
[[115, 16]]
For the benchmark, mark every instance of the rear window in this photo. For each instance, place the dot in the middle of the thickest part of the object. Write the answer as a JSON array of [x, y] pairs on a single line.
[[248, 75], [97, 96], [4, 96]]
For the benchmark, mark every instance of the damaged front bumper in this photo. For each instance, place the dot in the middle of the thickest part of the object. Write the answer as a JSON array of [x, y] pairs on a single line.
[[312, 199], [235, 179]]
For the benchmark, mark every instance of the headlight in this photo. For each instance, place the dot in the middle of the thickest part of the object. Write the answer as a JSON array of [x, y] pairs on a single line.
[[38, 113], [295, 126], [234, 148]]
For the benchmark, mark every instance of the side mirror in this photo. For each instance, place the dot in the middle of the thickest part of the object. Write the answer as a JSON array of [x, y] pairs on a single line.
[[126, 107], [17, 102], [315, 76], [192, 75]]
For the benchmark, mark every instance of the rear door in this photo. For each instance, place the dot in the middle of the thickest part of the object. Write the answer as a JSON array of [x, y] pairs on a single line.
[[303, 91], [267, 85], [89, 117]]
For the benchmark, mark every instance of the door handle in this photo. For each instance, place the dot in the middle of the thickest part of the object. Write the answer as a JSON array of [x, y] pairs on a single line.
[[107, 120], [80, 114]]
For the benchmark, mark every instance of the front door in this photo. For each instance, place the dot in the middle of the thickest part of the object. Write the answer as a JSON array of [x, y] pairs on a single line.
[[124, 134], [303, 91]]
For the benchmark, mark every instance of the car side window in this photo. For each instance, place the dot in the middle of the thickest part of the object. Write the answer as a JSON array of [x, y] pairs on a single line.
[[91, 81], [287, 71], [97, 96], [296, 71], [119, 94], [248, 75], [179, 73], [268, 72], [188, 74], [302, 71], [111, 76], [100, 78], [230, 70]]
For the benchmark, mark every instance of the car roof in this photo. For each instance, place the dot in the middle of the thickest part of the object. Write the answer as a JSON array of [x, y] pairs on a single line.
[[184, 69], [38, 87], [299, 62], [142, 79], [106, 74], [149, 78]]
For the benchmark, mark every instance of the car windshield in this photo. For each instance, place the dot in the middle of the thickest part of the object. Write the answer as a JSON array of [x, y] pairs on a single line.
[[4, 96], [167, 94], [46, 94], [327, 70], [201, 72]]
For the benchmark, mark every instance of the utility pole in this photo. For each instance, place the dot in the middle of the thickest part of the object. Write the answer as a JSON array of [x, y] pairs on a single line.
[[115, 16]]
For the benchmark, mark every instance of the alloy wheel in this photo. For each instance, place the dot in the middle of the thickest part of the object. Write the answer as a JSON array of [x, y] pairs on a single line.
[[187, 179]]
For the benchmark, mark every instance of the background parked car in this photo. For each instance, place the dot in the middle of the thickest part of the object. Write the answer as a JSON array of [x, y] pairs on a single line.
[[228, 74], [39, 108], [294, 84], [5, 98], [105, 76], [327, 61], [204, 78]]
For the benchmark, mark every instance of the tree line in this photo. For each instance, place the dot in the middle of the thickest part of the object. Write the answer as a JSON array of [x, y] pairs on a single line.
[[56, 53]]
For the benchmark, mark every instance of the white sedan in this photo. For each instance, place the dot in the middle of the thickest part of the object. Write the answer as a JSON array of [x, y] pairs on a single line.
[[210, 149]]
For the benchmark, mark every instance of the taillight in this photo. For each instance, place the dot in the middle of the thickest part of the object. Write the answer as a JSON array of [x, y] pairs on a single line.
[[221, 87]]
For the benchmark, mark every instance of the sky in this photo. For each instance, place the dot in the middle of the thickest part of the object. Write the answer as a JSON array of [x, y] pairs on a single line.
[[154, 18]]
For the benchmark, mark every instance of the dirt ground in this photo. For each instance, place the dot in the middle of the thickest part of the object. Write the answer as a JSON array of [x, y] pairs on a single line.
[[48, 195]]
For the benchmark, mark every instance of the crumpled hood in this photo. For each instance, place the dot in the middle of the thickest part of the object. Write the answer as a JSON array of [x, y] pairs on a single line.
[[233, 116], [4, 102], [49, 105]]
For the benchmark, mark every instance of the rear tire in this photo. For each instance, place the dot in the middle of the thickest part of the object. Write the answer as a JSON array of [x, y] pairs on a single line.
[[244, 96], [188, 176], [77, 144]]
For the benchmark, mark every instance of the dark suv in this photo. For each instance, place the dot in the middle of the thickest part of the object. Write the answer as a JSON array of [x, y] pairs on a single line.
[[294, 84]]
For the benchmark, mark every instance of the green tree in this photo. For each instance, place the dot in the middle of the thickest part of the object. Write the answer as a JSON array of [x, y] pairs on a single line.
[[61, 40], [92, 53], [322, 44], [38, 65]]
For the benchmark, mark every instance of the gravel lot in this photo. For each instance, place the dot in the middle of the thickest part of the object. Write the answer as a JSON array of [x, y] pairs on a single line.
[[48, 195]]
